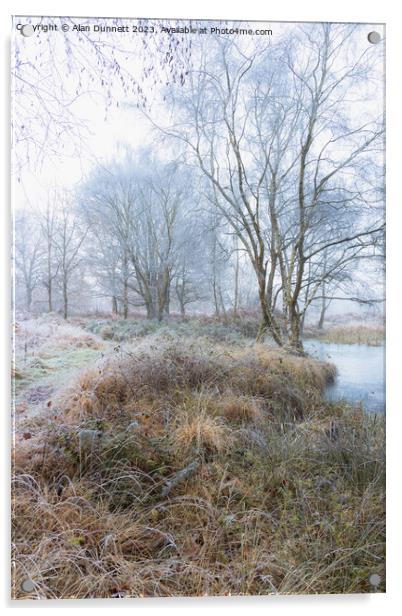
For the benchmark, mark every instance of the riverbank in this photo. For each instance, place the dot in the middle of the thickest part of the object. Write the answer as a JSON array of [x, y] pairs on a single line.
[[373, 335], [182, 464]]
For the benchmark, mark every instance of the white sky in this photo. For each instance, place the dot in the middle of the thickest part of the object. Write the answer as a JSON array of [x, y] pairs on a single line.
[[121, 125]]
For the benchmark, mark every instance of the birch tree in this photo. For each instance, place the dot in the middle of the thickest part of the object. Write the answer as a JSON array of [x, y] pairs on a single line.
[[274, 131]]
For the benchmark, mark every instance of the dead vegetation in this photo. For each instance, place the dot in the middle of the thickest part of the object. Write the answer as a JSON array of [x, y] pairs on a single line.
[[181, 467], [352, 334], [234, 381]]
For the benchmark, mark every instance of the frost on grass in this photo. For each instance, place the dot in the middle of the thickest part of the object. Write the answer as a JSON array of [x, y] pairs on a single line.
[[179, 465]]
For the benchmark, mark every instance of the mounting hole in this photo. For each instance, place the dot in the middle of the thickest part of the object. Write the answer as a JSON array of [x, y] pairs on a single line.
[[374, 37], [28, 585], [27, 30], [375, 579]]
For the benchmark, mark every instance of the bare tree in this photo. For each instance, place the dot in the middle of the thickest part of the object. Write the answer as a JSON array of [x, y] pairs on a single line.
[[272, 131], [69, 238], [155, 249], [28, 254], [137, 205], [47, 222]]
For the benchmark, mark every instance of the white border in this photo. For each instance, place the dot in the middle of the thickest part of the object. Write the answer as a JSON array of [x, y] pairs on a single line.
[[285, 10]]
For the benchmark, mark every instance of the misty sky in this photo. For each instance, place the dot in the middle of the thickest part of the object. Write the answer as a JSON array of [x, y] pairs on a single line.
[[123, 124]]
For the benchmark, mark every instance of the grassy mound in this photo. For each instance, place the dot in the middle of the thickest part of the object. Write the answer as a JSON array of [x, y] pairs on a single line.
[[182, 467]]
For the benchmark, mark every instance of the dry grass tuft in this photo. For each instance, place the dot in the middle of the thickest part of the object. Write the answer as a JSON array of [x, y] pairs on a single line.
[[239, 409], [96, 394], [201, 435]]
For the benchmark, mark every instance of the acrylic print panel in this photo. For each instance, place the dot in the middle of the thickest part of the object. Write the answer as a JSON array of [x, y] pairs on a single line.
[[198, 260]]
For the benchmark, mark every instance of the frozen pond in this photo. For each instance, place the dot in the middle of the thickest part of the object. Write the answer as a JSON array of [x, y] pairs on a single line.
[[361, 372]]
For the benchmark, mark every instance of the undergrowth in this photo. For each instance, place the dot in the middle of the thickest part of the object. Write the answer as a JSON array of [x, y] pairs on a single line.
[[186, 467]]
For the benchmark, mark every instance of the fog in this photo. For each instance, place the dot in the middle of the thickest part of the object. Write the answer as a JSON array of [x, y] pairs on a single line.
[[173, 174]]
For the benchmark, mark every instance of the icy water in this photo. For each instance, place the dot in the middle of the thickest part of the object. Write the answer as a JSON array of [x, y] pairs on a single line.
[[361, 372]]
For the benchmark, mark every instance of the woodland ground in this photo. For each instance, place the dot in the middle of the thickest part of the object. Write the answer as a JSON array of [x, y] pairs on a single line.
[[185, 459]]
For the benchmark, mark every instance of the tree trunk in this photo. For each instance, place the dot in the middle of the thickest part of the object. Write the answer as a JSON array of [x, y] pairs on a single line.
[[302, 321], [268, 323], [295, 340], [151, 312], [167, 303], [125, 299], [180, 294], [322, 315], [324, 305], [28, 298], [65, 300], [125, 285], [163, 294], [49, 296], [225, 318], [236, 286], [216, 301], [49, 279]]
